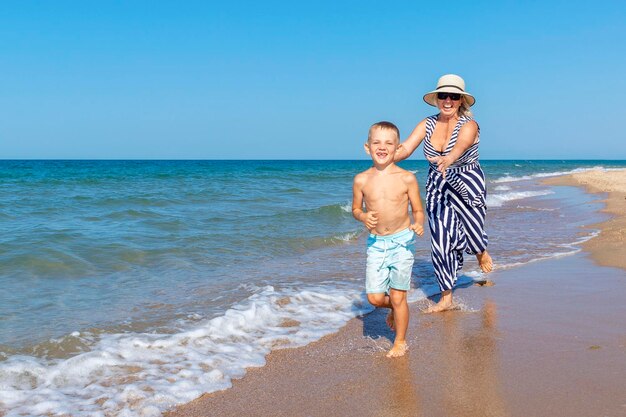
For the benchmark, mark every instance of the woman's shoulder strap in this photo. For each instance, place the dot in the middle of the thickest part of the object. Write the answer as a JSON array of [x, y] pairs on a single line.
[[431, 121], [464, 119]]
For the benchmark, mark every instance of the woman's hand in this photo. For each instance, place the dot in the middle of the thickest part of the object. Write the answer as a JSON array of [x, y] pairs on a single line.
[[442, 162]]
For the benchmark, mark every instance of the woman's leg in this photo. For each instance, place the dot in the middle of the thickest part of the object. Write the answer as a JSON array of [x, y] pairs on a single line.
[[444, 304], [472, 211], [484, 261], [473, 220], [447, 245]]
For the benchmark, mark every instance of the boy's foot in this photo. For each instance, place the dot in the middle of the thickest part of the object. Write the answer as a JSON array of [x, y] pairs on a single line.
[[440, 306], [390, 322], [398, 349], [484, 261]]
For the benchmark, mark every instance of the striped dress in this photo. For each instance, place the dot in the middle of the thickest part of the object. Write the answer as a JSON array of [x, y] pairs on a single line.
[[455, 206]]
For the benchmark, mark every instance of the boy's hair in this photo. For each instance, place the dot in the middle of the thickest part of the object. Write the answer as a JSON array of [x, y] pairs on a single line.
[[383, 125]]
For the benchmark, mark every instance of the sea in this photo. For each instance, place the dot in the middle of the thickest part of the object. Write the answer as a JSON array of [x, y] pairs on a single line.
[[128, 287]]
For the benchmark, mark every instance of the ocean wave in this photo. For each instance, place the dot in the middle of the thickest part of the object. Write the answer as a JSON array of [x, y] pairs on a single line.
[[312, 243], [45, 261], [135, 374], [530, 208], [568, 249], [348, 236], [334, 209], [145, 374], [509, 178], [328, 212], [55, 259], [497, 200], [538, 258], [131, 214], [129, 200], [584, 238]]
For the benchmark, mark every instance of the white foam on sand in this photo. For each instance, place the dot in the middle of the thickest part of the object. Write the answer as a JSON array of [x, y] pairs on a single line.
[[428, 289], [567, 249], [144, 374], [497, 200], [509, 178]]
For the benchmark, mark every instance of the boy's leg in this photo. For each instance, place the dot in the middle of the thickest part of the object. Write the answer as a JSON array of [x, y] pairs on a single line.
[[377, 278], [400, 310], [382, 300], [379, 300]]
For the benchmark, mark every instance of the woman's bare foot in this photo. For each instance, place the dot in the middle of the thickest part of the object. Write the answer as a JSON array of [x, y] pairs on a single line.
[[485, 261], [445, 303], [398, 349], [390, 321], [440, 306]]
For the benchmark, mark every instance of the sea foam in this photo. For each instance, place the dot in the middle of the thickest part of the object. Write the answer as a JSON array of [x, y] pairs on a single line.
[[137, 374], [510, 178], [497, 200]]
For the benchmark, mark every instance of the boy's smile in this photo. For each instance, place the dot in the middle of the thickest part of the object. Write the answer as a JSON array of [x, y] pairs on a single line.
[[382, 145]]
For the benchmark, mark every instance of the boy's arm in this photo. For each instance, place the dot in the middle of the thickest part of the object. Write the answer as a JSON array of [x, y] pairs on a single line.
[[416, 204], [466, 138], [370, 219], [409, 146]]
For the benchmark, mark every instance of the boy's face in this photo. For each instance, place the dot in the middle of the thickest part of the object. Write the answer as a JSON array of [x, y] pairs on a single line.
[[382, 145]]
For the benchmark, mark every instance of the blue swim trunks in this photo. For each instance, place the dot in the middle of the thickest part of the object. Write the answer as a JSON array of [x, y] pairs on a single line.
[[389, 261]]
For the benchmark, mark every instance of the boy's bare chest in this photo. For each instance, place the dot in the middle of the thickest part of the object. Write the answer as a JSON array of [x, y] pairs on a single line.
[[389, 189]]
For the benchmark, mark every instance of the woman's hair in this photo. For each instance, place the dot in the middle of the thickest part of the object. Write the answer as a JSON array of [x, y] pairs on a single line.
[[464, 108]]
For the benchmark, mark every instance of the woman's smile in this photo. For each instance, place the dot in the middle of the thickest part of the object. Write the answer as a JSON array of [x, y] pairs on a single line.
[[448, 106]]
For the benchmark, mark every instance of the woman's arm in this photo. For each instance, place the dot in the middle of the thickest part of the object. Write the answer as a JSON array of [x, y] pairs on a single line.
[[466, 138], [409, 146]]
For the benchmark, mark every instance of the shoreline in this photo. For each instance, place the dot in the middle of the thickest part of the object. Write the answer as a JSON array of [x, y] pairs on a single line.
[[528, 346], [609, 247]]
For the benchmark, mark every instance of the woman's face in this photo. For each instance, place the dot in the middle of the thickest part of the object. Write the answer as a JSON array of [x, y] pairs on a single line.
[[449, 103]]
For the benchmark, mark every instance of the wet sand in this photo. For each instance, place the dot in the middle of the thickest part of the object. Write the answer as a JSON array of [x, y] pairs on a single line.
[[609, 248], [549, 339]]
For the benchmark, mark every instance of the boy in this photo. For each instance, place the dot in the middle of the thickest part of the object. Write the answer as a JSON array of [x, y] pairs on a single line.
[[387, 191]]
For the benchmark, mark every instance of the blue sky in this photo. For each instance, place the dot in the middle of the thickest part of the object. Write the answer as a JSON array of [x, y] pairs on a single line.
[[304, 80]]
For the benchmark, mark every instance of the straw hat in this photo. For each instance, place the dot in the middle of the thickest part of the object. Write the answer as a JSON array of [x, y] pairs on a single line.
[[449, 83]]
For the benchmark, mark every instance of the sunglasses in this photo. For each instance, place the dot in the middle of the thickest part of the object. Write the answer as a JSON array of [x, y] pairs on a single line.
[[453, 96]]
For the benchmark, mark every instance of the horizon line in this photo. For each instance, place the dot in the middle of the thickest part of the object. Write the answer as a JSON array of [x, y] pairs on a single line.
[[275, 159]]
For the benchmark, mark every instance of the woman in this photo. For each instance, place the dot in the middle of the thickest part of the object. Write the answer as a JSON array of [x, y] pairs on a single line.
[[455, 189]]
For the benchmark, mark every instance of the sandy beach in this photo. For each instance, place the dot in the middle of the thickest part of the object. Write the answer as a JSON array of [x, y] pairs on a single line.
[[609, 247], [549, 339]]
